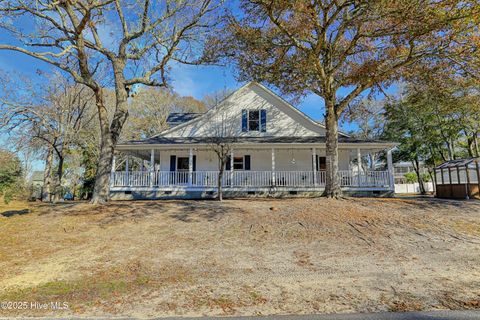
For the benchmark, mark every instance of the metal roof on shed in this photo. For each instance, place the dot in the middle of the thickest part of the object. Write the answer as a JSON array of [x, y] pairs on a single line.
[[458, 163]]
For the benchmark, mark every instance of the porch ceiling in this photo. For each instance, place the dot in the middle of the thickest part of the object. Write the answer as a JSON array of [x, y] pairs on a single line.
[[144, 152]]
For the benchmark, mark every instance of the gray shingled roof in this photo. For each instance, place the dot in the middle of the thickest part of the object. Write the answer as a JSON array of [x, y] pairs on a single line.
[[240, 140], [176, 118]]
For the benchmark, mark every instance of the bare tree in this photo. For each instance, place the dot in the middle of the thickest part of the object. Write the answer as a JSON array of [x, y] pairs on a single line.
[[136, 42], [221, 143], [53, 119], [368, 115], [213, 99], [149, 110]]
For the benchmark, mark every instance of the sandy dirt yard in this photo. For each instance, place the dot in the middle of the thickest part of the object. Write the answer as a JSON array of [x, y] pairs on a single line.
[[240, 257]]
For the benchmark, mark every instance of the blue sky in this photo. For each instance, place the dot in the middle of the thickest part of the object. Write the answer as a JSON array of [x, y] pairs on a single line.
[[196, 81]]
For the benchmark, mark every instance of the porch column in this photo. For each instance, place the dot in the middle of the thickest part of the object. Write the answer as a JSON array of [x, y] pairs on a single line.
[[359, 167], [390, 169], [231, 167], [152, 166], [314, 159], [273, 167], [190, 166], [112, 176], [127, 173]]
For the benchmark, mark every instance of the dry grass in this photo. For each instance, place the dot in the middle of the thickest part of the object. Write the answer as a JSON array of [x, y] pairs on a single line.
[[240, 257]]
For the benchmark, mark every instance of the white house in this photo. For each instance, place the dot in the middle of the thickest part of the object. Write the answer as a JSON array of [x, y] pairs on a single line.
[[275, 150]]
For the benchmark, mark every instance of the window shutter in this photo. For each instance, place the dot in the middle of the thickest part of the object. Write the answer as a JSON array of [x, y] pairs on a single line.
[[173, 163], [227, 165], [247, 162], [244, 120], [263, 120], [194, 163]]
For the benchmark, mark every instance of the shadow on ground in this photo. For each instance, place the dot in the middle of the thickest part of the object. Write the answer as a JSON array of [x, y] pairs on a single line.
[[11, 213], [118, 211]]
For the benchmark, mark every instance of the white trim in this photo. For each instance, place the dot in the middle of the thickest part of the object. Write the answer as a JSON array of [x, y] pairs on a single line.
[[231, 164], [390, 169], [273, 167], [152, 166], [263, 88], [289, 105], [363, 145], [204, 115], [243, 189], [190, 166]]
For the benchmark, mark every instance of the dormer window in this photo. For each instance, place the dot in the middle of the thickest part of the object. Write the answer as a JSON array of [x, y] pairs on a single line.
[[254, 120]]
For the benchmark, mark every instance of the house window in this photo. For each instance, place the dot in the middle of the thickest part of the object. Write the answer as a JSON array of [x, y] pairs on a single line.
[[321, 163], [253, 120], [182, 163], [237, 163]]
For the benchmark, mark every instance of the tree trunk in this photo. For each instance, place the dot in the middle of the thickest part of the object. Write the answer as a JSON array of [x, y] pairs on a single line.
[[74, 187], [47, 176], [432, 178], [102, 177], [109, 134], [421, 186], [451, 149], [219, 185], [475, 144], [470, 147], [332, 186], [57, 193]]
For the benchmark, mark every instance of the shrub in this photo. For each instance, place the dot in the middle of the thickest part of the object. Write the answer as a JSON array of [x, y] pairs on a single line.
[[425, 177], [10, 175], [411, 177]]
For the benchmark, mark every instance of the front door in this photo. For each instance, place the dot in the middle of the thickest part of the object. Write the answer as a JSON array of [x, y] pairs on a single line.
[[182, 168]]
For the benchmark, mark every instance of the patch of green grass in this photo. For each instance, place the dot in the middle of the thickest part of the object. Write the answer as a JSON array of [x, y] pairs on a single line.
[[49, 290], [256, 297], [225, 303], [106, 287], [14, 205], [83, 292]]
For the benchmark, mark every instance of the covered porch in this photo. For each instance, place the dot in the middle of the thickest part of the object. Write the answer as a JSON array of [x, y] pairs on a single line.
[[250, 169]]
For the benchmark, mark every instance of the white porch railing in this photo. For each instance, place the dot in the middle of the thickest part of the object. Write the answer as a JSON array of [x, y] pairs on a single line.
[[247, 179], [364, 179]]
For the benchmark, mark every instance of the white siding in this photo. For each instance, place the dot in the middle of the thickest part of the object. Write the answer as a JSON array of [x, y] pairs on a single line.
[[226, 120], [261, 159]]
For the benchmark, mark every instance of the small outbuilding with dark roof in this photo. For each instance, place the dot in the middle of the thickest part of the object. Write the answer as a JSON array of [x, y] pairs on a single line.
[[458, 179]]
